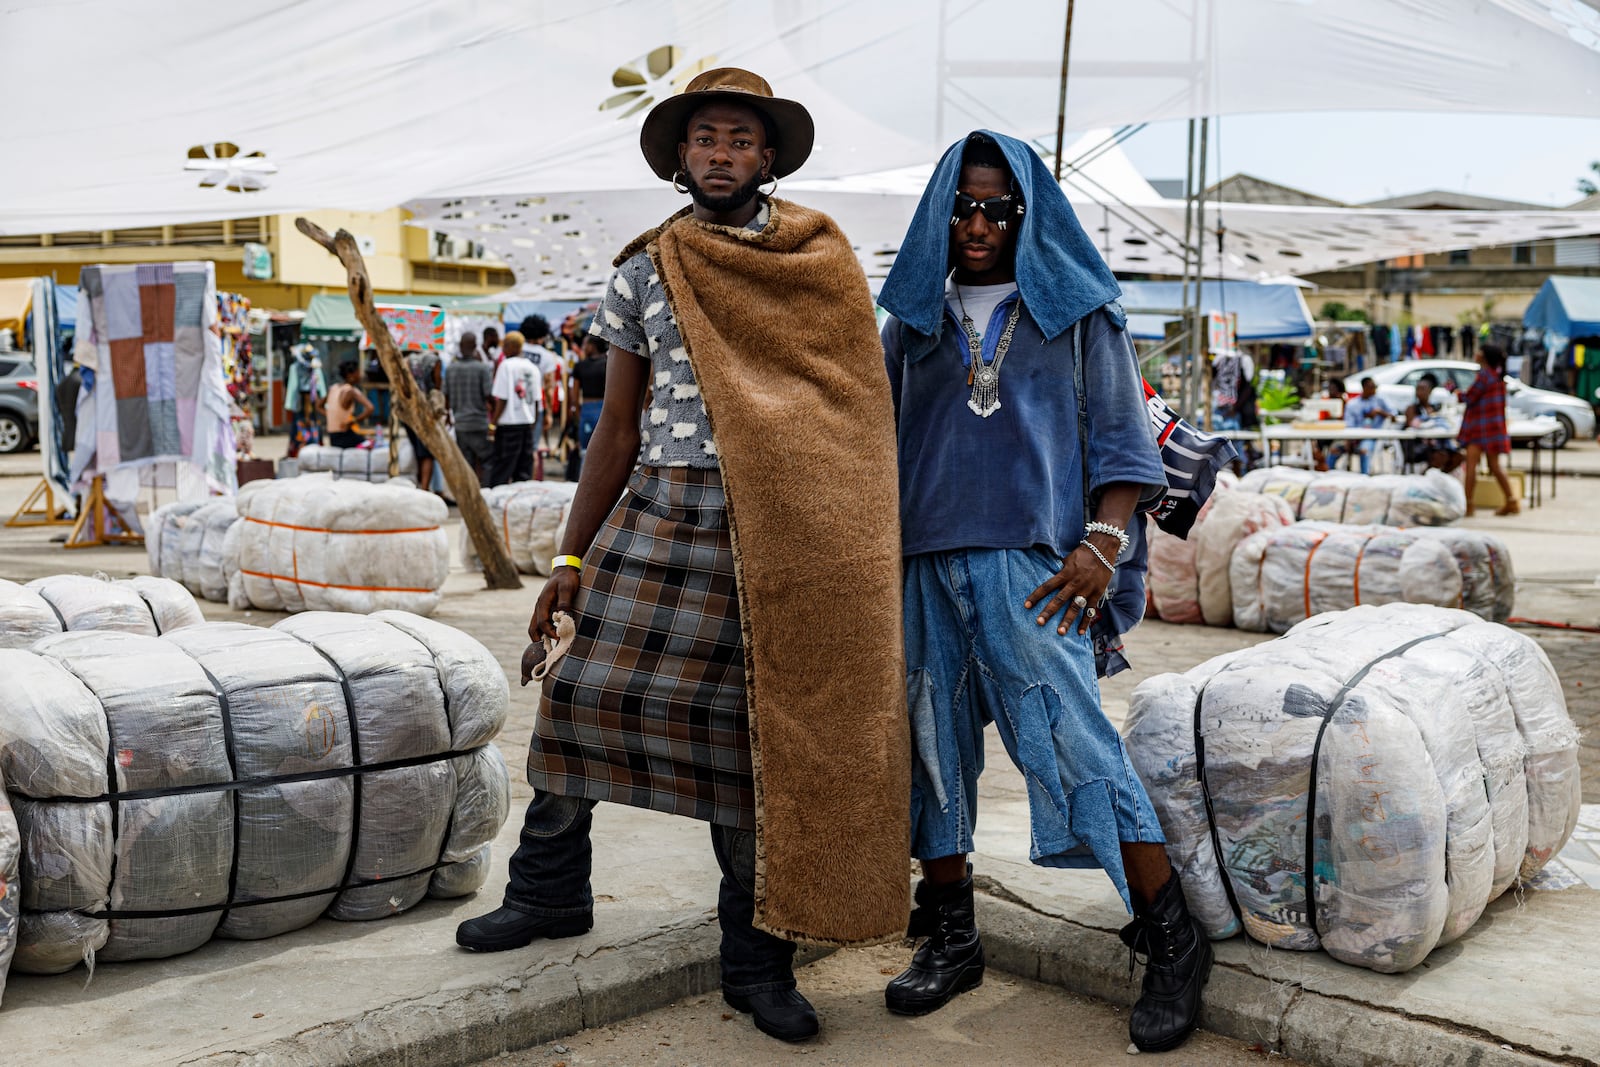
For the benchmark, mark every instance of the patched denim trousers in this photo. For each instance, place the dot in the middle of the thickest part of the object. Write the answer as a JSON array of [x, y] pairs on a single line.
[[975, 655]]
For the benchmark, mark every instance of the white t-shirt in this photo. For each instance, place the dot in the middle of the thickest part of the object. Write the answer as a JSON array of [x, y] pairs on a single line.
[[518, 383], [548, 362], [979, 301]]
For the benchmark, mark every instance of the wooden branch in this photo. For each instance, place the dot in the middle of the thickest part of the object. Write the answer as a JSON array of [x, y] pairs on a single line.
[[498, 570]]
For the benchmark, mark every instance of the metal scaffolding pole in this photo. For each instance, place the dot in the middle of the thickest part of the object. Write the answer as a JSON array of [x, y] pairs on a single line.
[[1061, 107], [1201, 412], [1184, 323]]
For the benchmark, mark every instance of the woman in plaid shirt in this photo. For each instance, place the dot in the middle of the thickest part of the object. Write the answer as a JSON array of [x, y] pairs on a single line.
[[1483, 426]]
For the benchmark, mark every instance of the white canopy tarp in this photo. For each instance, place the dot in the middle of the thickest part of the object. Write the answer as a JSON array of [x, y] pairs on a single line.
[[363, 105], [560, 244]]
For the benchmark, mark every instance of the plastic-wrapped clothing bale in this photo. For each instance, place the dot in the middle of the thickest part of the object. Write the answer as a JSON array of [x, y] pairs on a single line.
[[1549, 740], [530, 517], [293, 836], [168, 853], [311, 544], [1281, 577], [1286, 483], [141, 605], [161, 540], [199, 541], [1174, 582], [172, 607], [477, 694], [1232, 518], [356, 464], [25, 616], [357, 803], [1432, 498], [450, 696], [10, 886], [1418, 817], [1488, 581]]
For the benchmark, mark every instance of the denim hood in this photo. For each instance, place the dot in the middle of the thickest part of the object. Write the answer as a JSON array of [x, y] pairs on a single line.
[[1059, 273]]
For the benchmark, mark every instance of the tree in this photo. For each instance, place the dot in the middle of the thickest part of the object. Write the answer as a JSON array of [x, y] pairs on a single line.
[[499, 572], [1586, 186]]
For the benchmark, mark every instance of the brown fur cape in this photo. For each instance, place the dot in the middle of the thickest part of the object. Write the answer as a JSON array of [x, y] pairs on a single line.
[[779, 329]]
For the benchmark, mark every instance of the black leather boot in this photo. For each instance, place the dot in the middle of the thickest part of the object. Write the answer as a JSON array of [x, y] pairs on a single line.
[[950, 961], [785, 1014], [507, 928], [1177, 959]]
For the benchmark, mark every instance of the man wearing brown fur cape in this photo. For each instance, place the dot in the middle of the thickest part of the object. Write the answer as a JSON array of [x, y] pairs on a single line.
[[748, 431]]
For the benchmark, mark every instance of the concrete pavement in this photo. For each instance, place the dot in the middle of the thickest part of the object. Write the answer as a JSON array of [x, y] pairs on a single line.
[[1516, 990]]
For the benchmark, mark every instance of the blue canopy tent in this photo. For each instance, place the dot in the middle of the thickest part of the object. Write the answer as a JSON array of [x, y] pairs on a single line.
[[1266, 312], [1566, 305], [554, 311], [1566, 310]]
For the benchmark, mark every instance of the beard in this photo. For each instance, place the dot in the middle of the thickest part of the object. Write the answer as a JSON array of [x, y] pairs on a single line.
[[733, 201]]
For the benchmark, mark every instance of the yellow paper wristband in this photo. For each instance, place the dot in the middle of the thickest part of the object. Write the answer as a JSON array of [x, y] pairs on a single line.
[[575, 562]]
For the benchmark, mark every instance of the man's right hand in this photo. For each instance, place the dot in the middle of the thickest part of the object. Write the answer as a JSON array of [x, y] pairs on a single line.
[[558, 594]]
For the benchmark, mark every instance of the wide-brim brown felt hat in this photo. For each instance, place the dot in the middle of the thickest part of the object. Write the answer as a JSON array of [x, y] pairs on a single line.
[[664, 126]]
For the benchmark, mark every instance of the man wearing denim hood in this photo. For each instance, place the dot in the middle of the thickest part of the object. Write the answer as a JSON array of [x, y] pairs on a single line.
[[1026, 452]]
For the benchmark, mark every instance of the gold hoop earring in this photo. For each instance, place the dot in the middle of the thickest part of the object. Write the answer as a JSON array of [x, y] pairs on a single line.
[[769, 193], [680, 189]]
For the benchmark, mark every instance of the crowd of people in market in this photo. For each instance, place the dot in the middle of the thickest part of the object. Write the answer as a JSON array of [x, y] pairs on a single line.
[[509, 401]]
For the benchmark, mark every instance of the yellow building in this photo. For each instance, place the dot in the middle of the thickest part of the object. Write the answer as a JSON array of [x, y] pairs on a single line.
[[401, 259]]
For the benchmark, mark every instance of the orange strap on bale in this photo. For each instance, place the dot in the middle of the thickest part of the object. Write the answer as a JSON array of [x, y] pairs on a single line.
[[322, 530]]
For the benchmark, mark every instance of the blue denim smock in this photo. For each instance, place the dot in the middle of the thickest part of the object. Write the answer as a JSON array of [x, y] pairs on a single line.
[[1015, 479]]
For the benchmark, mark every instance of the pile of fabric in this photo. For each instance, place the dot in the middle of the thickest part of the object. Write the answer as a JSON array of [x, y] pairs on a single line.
[[531, 517], [1428, 499], [1284, 576], [314, 544], [228, 780], [1189, 578], [1421, 810], [63, 602], [185, 541], [357, 464]]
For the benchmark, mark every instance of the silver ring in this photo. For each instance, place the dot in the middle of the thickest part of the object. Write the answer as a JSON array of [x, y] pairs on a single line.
[[1079, 602], [1090, 613]]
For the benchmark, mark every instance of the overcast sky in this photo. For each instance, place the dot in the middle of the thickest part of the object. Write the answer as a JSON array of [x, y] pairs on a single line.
[[1355, 157]]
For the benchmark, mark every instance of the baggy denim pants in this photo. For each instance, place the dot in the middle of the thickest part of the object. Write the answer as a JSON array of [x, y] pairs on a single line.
[[975, 655], [550, 876]]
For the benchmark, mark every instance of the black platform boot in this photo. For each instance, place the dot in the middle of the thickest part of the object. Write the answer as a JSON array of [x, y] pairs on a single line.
[[1177, 959], [950, 961]]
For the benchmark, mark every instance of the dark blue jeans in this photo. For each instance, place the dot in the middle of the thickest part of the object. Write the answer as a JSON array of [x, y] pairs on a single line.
[[550, 876]]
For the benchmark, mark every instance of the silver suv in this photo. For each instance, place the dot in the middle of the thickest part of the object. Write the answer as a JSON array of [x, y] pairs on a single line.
[[1397, 384]]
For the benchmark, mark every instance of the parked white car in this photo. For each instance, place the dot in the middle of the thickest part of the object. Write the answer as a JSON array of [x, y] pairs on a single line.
[[1397, 384]]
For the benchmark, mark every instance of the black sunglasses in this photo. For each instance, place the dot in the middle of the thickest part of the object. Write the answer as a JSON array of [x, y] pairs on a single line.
[[995, 209]]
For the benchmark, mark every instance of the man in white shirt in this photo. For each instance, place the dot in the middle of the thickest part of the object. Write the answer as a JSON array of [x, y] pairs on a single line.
[[515, 403]]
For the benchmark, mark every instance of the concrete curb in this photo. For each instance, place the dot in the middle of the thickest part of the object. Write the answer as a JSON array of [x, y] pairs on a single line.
[[468, 1023], [1282, 1017]]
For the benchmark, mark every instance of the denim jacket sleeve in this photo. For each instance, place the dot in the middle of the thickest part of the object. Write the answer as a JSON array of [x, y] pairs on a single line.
[[1122, 445]]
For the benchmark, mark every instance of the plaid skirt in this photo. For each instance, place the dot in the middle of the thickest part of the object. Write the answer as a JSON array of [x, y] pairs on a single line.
[[649, 708]]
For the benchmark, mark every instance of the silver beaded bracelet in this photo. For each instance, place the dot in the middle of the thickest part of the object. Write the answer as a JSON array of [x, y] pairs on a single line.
[[1110, 531], [1101, 556]]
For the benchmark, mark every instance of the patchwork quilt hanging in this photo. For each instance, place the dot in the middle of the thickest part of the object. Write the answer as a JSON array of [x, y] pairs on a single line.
[[159, 393]]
